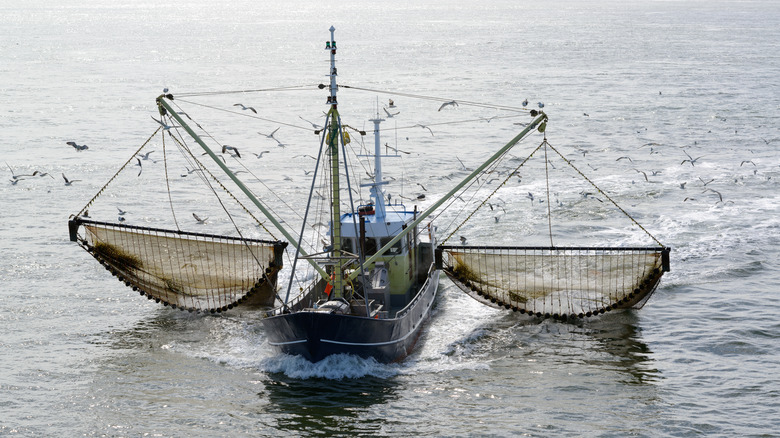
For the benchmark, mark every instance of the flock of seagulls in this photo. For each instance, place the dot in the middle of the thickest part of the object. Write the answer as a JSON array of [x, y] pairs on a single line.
[[390, 111], [16, 178]]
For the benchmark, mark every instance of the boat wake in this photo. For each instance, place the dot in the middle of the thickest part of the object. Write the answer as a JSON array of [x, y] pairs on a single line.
[[334, 367]]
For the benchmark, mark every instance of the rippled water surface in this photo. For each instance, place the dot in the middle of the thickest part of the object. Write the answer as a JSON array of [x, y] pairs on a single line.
[[657, 82]]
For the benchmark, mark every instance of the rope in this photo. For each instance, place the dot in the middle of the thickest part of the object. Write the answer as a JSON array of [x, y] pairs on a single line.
[[547, 183], [491, 194], [261, 224], [86, 207], [168, 183], [438, 99], [243, 114], [605, 195], [259, 90], [549, 214]]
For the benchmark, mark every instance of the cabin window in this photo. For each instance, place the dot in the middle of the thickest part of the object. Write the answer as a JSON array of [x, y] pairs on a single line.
[[370, 246], [347, 244], [395, 249]]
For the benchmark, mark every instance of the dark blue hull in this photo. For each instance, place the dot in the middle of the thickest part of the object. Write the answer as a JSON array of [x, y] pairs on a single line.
[[316, 335]]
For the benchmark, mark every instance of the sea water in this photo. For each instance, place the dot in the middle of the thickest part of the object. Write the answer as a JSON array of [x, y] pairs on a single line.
[[629, 87]]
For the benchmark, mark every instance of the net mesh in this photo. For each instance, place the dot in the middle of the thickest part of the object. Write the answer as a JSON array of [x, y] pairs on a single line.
[[556, 282], [190, 271]]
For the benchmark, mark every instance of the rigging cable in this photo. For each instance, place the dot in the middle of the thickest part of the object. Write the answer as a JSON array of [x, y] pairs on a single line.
[[80, 213]]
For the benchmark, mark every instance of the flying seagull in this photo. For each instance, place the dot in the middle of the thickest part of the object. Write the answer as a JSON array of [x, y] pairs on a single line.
[[271, 135], [69, 181], [425, 127], [245, 107], [690, 159], [200, 221], [313, 125], [226, 149], [39, 173], [643, 173], [450, 103], [389, 114], [165, 127], [78, 147]]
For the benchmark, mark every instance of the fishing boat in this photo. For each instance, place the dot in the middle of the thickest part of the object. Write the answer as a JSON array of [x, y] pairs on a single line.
[[369, 288]]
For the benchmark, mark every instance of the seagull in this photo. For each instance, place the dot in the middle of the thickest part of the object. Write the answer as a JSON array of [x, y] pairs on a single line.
[[260, 155], [425, 127], [69, 181], [390, 115], [586, 194], [706, 182], [121, 218], [450, 103], [396, 150], [462, 240], [200, 221], [690, 159], [716, 192], [747, 161], [146, 155], [141, 168], [313, 125], [121, 212], [530, 196], [226, 148], [541, 104], [305, 155], [38, 173], [463, 166], [629, 159], [165, 127], [245, 107], [525, 103], [643, 173], [391, 104], [15, 176], [497, 205], [78, 147], [271, 135], [190, 171], [423, 187]]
